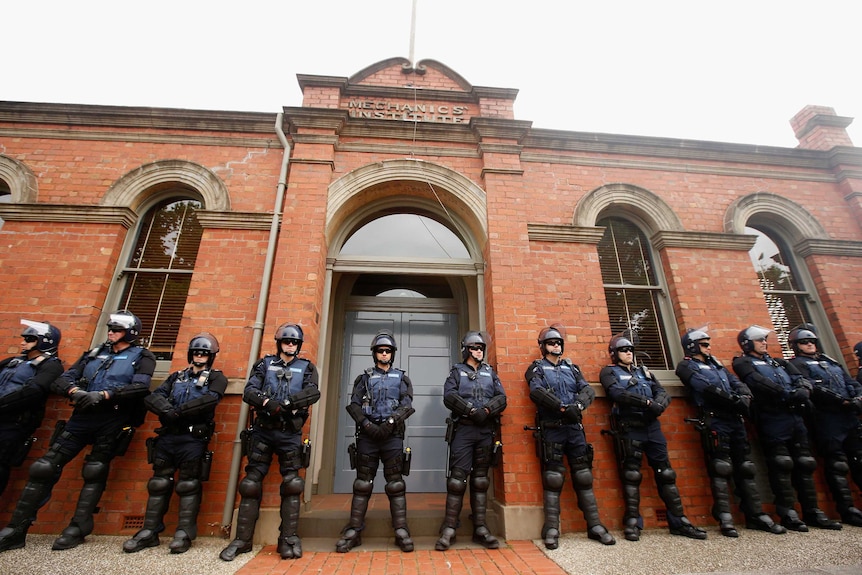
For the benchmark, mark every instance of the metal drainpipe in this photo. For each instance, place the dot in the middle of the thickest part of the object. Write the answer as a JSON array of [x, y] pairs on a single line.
[[254, 353]]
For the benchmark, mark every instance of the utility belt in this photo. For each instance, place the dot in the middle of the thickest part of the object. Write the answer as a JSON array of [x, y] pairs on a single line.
[[633, 421], [559, 424], [353, 456], [197, 430], [291, 424], [721, 414]]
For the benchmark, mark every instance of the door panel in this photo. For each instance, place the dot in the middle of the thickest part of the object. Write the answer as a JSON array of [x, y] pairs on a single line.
[[426, 347]]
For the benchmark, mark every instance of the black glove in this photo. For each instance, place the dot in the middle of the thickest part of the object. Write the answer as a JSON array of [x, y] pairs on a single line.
[[272, 407], [655, 408], [373, 430], [85, 399], [386, 428], [856, 405], [742, 403], [572, 413], [286, 405], [799, 395], [478, 415]]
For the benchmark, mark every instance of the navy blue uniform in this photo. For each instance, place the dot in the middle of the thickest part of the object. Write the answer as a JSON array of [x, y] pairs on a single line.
[[24, 387]]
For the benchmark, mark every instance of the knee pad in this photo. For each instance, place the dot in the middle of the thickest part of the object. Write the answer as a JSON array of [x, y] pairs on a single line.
[[582, 479], [188, 487], [632, 476], [292, 485], [396, 487], [455, 485], [782, 462], [748, 469], [665, 475], [721, 468], [362, 487], [159, 485], [95, 472], [553, 480], [806, 463], [837, 466], [250, 488], [480, 483], [43, 471]]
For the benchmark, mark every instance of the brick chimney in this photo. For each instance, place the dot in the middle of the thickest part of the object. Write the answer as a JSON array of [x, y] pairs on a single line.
[[820, 128]]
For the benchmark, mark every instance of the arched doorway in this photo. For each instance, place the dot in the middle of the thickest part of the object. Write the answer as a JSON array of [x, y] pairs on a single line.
[[410, 271]]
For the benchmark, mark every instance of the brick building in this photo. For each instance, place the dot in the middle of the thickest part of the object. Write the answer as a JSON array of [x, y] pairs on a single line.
[[404, 197]]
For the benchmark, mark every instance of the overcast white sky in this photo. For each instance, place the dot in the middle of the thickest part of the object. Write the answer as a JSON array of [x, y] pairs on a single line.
[[732, 71]]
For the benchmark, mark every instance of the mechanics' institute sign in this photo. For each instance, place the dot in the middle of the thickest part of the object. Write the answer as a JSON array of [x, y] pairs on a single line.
[[412, 112]]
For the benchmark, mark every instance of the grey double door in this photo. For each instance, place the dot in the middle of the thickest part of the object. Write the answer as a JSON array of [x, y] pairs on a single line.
[[427, 347]]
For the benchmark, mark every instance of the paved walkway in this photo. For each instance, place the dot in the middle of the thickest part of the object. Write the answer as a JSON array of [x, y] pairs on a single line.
[[515, 558]]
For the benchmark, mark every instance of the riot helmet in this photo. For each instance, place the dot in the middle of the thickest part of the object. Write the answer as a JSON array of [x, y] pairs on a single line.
[[857, 349], [551, 334], [125, 320], [749, 335], [47, 336], [204, 342], [383, 339], [619, 343], [472, 339], [801, 334], [691, 341], [288, 331]]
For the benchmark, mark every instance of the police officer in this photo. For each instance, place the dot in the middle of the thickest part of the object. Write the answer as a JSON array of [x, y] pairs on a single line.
[[25, 382], [781, 396], [561, 395], [723, 401], [639, 400], [107, 386], [185, 404], [280, 389], [473, 393], [837, 399], [380, 403]]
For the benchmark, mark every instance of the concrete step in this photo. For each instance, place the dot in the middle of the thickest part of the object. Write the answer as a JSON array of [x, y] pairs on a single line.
[[326, 521]]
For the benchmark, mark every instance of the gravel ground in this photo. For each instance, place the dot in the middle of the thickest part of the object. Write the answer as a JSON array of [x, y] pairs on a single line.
[[657, 553], [660, 553], [104, 555]]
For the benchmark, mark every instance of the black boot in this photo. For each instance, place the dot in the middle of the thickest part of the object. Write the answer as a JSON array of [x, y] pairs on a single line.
[[816, 518], [764, 522], [289, 543], [481, 533], [246, 518], [456, 485], [790, 519], [142, 539], [726, 526], [82, 521], [160, 489], [398, 509], [589, 507], [551, 528], [189, 491], [13, 537], [351, 535], [684, 528]]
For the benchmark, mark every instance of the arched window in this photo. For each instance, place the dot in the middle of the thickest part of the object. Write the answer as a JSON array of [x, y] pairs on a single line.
[[405, 235], [782, 286], [632, 290], [160, 269]]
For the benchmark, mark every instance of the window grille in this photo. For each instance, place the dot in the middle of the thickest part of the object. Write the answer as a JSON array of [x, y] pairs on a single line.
[[160, 271], [632, 290]]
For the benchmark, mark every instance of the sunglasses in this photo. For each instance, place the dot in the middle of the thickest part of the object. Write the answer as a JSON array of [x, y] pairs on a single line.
[[626, 349], [703, 343], [31, 338], [554, 342], [806, 341], [115, 330], [290, 341], [201, 352], [476, 348], [383, 350]]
